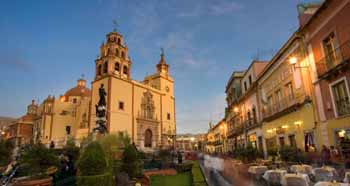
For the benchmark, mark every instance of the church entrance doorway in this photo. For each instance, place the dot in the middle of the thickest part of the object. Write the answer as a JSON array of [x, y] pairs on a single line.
[[148, 138]]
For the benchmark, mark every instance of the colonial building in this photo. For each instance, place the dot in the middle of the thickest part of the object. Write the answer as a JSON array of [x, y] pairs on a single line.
[[64, 117], [327, 36], [145, 110], [4, 123], [233, 93], [190, 142], [243, 117], [216, 141], [286, 99], [20, 131]]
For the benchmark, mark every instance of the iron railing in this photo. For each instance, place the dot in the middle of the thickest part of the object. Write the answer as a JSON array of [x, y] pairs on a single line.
[[343, 106], [333, 58], [279, 106]]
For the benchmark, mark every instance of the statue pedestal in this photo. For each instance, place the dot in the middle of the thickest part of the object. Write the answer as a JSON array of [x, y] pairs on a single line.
[[96, 136]]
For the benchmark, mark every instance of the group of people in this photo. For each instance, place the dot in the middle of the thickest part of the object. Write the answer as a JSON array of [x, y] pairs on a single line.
[[329, 155]]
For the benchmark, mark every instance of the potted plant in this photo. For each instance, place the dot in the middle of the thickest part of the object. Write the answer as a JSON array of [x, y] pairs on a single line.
[[288, 153], [273, 153], [38, 163], [93, 167]]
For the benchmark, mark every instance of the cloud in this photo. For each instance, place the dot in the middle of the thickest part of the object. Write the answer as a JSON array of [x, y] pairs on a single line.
[[225, 7], [214, 8], [197, 11]]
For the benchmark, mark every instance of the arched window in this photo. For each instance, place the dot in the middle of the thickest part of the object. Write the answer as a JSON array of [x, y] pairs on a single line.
[[116, 66], [117, 52], [125, 70], [254, 114], [123, 55], [109, 51], [148, 138], [249, 117], [99, 70], [119, 41], [105, 65]]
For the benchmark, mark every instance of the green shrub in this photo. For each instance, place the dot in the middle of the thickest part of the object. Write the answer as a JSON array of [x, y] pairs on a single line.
[[288, 153], [96, 180], [272, 151], [131, 162], [92, 160], [37, 159], [164, 154], [71, 150], [184, 167], [6, 148], [250, 153]]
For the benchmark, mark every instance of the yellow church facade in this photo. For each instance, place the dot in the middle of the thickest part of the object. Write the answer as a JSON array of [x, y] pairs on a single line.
[[64, 117], [145, 110]]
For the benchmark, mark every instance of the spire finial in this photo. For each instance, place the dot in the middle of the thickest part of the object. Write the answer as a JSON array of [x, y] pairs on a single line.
[[162, 56]]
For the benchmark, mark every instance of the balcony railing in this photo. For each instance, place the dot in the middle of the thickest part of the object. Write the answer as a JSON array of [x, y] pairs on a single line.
[[333, 59], [250, 123], [281, 105], [343, 106]]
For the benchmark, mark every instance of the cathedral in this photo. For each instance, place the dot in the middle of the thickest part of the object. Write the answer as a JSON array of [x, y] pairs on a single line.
[[145, 110]]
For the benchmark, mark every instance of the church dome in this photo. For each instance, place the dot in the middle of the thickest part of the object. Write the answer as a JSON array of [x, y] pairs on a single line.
[[79, 90]]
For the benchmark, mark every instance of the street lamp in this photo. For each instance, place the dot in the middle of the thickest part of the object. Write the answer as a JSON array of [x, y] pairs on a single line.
[[236, 109], [293, 60]]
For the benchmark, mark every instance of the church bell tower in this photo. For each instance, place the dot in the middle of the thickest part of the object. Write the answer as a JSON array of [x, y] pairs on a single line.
[[113, 59]]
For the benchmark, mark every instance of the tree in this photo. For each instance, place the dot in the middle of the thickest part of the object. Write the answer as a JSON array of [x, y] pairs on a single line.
[[92, 161], [6, 148], [37, 159], [131, 163]]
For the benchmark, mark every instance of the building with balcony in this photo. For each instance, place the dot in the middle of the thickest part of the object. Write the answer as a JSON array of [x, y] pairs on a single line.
[[285, 96], [242, 116], [327, 36], [233, 93], [190, 142], [216, 141]]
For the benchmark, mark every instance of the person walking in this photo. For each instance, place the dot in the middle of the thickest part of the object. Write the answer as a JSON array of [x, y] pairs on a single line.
[[325, 155]]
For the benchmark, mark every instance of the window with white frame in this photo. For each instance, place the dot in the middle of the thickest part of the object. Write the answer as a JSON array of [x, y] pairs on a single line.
[[340, 96], [330, 50]]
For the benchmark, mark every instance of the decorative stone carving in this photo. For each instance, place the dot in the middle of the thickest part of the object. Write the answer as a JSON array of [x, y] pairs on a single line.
[[147, 106]]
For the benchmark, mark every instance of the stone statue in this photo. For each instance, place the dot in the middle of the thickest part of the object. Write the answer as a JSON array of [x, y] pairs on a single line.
[[101, 112], [102, 94]]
